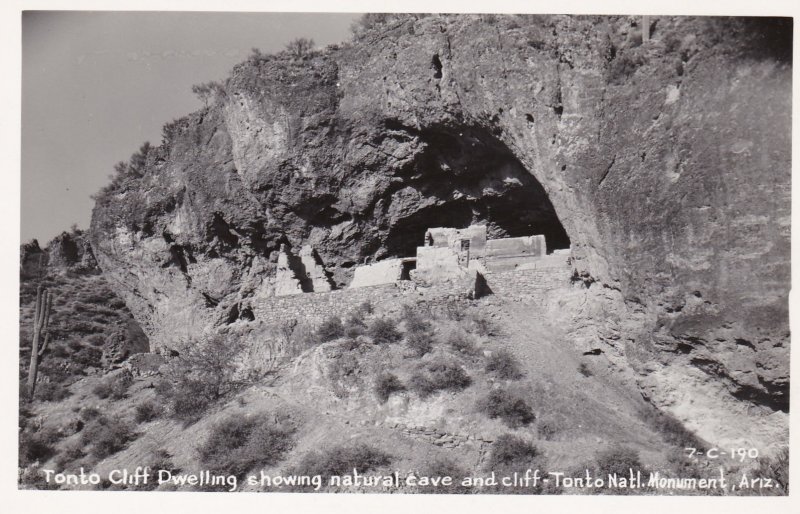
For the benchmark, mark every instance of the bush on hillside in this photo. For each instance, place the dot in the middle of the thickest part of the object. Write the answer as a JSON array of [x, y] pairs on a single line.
[[512, 454], [461, 342], [37, 445], [775, 468], [384, 331], [386, 384], [414, 321], [439, 375], [330, 329], [106, 436], [502, 364], [147, 410], [203, 372], [617, 459], [510, 407], [51, 392], [300, 47], [114, 387], [341, 460], [419, 343], [238, 444]]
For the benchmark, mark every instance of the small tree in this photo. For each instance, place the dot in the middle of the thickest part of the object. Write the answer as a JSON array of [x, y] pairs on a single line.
[[139, 159], [300, 47], [210, 362], [207, 91]]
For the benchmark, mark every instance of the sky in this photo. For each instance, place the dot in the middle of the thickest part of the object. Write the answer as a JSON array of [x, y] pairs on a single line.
[[96, 85]]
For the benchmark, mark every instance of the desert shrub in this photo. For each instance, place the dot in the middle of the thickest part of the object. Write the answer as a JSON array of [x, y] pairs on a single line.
[[503, 365], [106, 436], [414, 321], [351, 344], [300, 47], [89, 413], [236, 444], [159, 459], [330, 329], [341, 460], [617, 459], [51, 392], [59, 350], [366, 308], [147, 410], [443, 467], [386, 384], [461, 342], [96, 340], [88, 357], [70, 454], [190, 399], [33, 478], [511, 408], [509, 449], [384, 331], [208, 91], [369, 21], [584, 370], [419, 343], [775, 468], [37, 445], [114, 387], [103, 389], [209, 366], [511, 454], [352, 331], [355, 325], [164, 388], [439, 375]]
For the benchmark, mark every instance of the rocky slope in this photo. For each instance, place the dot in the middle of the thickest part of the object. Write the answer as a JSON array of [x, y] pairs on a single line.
[[665, 165], [91, 329]]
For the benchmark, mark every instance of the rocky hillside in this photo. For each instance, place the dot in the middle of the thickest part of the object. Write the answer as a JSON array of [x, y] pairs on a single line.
[[664, 164], [91, 329]]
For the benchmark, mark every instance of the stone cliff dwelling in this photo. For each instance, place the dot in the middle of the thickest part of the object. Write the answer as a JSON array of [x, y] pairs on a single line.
[[447, 253], [300, 274]]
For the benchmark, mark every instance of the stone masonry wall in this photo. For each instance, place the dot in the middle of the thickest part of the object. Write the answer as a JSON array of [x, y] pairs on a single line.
[[521, 285], [313, 308]]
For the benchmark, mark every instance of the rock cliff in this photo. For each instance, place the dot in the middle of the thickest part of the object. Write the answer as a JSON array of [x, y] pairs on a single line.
[[664, 164]]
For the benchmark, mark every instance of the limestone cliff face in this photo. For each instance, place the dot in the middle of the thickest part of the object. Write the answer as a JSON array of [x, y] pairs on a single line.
[[665, 165]]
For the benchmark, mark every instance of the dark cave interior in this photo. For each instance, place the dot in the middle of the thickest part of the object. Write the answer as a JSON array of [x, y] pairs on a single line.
[[468, 176]]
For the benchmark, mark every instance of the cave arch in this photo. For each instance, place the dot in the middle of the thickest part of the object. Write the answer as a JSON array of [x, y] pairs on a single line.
[[466, 176]]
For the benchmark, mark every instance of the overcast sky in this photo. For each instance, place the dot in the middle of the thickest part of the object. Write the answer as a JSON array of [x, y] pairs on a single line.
[[95, 85]]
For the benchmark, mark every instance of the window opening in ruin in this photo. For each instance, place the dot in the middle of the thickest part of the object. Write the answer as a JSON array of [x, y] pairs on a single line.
[[405, 271]]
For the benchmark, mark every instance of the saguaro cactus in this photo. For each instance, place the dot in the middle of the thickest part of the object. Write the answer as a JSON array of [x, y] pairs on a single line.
[[41, 321]]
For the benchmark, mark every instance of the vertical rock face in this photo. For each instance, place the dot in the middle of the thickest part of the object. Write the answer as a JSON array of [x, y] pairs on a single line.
[[666, 165]]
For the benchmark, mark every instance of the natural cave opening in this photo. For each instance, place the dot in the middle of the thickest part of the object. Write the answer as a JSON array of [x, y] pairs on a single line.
[[467, 176]]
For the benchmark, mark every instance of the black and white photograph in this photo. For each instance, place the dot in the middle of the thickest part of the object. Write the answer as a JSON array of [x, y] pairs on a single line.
[[287, 254]]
